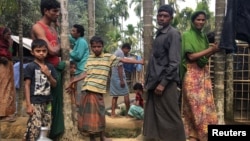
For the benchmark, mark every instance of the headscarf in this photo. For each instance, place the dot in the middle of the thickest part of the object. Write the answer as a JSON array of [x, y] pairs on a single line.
[[193, 40], [4, 44]]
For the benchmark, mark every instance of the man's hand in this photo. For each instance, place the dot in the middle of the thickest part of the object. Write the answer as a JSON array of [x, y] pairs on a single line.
[[215, 47], [142, 61], [159, 89], [122, 83]]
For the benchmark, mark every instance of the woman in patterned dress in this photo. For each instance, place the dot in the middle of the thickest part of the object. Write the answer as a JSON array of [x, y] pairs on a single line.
[[198, 103]]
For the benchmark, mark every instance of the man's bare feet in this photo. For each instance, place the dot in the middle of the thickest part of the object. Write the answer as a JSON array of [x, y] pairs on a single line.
[[112, 115]]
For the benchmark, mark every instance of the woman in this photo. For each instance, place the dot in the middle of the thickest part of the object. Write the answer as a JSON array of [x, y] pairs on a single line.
[[7, 91], [199, 108]]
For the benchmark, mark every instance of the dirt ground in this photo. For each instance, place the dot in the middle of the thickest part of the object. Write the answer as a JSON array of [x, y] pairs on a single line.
[[14, 131]]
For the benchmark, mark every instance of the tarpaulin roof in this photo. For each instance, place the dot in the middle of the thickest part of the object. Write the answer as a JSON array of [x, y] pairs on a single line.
[[26, 41]]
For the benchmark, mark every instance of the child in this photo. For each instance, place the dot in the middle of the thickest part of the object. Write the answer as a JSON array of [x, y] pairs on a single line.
[[73, 86], [136, 110], [73, 91], [39, 77], [16, 69], [91, 116]]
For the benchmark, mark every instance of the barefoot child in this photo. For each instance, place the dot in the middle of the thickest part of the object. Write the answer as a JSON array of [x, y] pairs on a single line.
[[91, 116], [73, 86], [39, 77], [136, 110]]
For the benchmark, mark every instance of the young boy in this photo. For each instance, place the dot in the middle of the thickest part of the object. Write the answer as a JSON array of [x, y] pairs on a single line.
[[39, 77], [73, 91], [72, 70], [91, 116], [136, 110]]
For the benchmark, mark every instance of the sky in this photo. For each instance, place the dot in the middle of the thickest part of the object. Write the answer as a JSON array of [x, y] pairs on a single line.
[[188, 3]]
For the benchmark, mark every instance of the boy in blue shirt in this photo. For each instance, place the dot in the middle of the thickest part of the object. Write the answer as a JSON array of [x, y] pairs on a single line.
[[39, 77]]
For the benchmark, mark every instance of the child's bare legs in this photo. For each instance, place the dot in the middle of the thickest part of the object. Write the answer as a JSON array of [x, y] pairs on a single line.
[[114, 103], [127, 103], [103, 138]]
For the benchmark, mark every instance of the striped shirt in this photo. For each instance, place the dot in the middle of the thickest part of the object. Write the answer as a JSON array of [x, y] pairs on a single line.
[[98, 69]]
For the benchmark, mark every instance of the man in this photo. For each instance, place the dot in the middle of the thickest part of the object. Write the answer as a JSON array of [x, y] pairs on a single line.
[[80, 52], [16, 70], [130, 69], [44, 29], [118, 84], [162, 118]]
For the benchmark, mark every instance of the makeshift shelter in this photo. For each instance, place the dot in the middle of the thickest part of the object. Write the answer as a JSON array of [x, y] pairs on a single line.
[[236, 27], [26, 46]]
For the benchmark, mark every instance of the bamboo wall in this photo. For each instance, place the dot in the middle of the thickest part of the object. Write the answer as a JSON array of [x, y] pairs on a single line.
[[241, 83]]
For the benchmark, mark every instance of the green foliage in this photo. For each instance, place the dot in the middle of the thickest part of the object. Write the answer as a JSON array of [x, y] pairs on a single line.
[[117, 9], [113, 39], [77, 10], [203, 5], [131, 38], [103, 23], [7, 6], [138, 7], [182, 19], [28, 17]]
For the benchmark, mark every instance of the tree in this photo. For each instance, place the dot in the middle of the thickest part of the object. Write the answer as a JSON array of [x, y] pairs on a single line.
[[91, 18], [203, 5], [137, 8], [77, 12], [20, 31], [71, 131], [130, 36], [10, 19], [219, 62], [228, 41], [182, 20], [114, 37], [139, 27], [122, 7], [147, 29], [7, 6]]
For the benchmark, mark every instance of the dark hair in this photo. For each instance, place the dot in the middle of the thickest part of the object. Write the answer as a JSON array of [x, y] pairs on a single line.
[[196, 14], [166, 8], [37, 43], [211, 37], [72, 62], [49, 4], [138, 86], [96, 39], [6, 29], [80, 29], [126, 45], [27, 59]]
